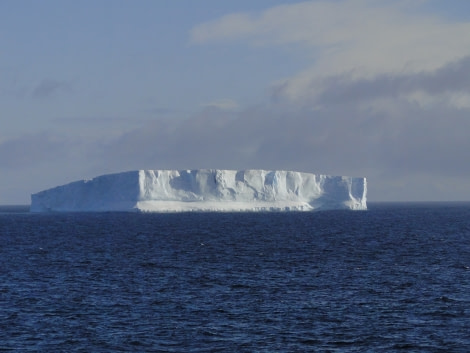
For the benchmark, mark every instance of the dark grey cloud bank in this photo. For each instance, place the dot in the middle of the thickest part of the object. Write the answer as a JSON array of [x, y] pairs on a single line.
[[454, 77], [408, 151], [333, 140]]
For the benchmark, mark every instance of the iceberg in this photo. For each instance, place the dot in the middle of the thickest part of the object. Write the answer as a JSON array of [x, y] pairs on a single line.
[[205, 190]]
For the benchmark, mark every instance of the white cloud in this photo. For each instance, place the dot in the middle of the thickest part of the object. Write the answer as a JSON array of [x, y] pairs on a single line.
[[386, 93], [360, 37]]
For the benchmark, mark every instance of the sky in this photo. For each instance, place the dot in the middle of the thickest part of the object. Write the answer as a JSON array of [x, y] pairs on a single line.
[[373, 88]]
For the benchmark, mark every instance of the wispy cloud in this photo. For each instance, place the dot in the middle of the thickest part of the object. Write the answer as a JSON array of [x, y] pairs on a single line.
[[222, 104], [362, 35], [438, 85], [48, 87]]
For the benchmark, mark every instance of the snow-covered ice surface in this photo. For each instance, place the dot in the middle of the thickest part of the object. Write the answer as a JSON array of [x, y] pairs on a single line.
[[205, 190]]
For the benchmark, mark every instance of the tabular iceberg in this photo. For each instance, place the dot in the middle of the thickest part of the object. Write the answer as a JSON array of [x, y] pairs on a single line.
[[205, 190]]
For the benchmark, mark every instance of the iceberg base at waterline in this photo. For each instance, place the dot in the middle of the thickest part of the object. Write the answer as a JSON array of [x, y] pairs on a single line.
[[205, 190]]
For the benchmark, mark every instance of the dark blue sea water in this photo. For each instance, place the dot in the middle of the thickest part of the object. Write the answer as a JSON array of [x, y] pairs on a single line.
[[395, 278]]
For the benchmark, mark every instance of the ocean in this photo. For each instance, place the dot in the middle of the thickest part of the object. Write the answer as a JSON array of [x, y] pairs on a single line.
[[395, 278]]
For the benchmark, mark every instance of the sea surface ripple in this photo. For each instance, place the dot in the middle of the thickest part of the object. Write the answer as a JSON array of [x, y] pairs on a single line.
[[395, 278]]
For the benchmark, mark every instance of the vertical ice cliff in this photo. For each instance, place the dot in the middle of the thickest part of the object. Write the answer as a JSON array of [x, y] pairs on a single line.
[[205, 190]]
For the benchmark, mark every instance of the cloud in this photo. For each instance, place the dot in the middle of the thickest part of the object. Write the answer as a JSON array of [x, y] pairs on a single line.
[[47, 88], [366, 36], [441, 85], [341, 139], [222, 104], [409, 153], [386, 95]]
